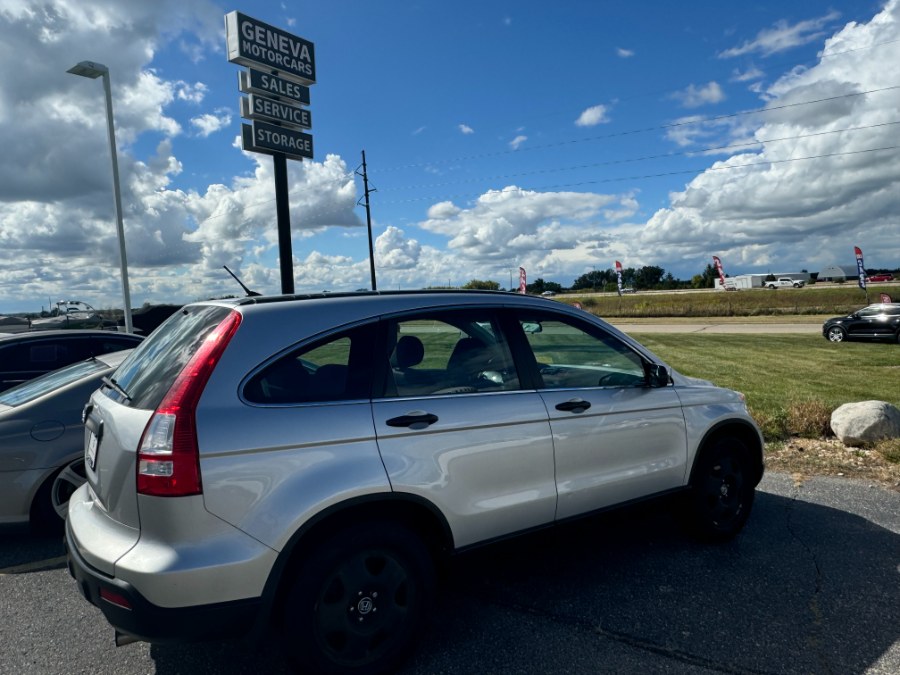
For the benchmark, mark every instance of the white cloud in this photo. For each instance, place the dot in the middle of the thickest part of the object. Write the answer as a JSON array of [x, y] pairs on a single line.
[[772, 207], [192, 93], [517, 141], [466, 129], [510, 222], [624, 53], [443, 211], [747, 75], [783, 36], [694, 96], [593, 116], [393, 251], [209, 123]]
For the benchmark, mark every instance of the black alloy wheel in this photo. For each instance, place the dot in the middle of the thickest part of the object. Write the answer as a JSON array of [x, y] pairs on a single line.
[[358, 601], [722, 490]]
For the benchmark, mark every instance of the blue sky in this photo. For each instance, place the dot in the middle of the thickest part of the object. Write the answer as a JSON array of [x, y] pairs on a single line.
[[556, 137]]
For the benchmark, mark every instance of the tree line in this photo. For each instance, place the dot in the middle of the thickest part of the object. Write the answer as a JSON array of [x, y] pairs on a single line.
[[649, 277]]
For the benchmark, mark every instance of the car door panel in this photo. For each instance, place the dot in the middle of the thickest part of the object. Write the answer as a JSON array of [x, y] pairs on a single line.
[[486, 460], [628, 444], [454, 425], [615, 437]]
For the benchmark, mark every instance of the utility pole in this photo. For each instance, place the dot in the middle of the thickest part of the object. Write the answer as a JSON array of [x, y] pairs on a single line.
[[366, 193]]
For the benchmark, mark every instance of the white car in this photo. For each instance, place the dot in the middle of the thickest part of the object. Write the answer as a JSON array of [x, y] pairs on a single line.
[[301, 465]]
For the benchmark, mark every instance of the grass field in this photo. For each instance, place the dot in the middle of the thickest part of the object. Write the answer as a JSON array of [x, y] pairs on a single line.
[[792, 382], [778, 371], [819, 299]]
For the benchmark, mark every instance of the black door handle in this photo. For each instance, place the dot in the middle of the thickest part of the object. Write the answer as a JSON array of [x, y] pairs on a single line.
[[414, 420], [575, 405]]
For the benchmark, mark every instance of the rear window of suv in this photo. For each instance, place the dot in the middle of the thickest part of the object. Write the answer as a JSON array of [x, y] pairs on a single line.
[[152, 368]]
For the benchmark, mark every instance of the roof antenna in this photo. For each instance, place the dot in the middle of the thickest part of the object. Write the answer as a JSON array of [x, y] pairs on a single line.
[[251, 294]]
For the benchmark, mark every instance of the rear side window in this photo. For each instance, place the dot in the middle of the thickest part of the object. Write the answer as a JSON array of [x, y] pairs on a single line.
[[152, 368], [53, 354], [112, 343], [449, 352], [337, 368]]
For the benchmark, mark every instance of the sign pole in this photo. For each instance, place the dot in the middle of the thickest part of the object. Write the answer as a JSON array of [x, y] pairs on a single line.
[[283, 216], [275, 109]]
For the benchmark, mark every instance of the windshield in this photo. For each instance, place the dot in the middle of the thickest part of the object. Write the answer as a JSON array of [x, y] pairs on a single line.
[[28, 391]]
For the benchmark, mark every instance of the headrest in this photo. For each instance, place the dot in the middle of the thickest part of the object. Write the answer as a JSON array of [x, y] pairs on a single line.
[[410, 351]]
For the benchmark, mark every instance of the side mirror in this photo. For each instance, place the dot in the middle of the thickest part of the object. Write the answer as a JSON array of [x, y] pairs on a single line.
[[657, 375], [532, 327]]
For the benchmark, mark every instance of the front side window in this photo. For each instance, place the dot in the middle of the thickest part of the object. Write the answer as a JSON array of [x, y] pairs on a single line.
[[572, 355], [337, 368], [448, 352]]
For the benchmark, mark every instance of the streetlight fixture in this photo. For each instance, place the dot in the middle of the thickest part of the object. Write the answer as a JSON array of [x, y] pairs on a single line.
[[93, 71]]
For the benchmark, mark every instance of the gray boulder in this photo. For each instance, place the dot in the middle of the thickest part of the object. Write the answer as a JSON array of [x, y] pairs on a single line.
[[865, 422]]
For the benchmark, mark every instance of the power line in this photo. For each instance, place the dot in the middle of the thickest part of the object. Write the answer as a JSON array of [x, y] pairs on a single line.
[[667, 155], [603, 137], [648, 176], [620, 134]]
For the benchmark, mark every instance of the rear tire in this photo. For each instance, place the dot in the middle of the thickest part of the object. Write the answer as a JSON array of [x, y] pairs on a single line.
[[358, 602], [723, 487]]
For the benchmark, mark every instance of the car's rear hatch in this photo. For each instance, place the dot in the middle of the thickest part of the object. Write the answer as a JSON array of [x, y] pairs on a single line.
[[118, 415]]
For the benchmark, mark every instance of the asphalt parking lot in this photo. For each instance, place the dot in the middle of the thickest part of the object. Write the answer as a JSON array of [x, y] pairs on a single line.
[[811, 586]]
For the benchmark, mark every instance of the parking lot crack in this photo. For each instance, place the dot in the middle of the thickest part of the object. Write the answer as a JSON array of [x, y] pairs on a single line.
[[814, 639], [629, 640]]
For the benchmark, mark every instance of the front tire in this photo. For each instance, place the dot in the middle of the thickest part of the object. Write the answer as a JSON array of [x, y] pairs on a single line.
[[723, 487], [836, 334], [358, 601]]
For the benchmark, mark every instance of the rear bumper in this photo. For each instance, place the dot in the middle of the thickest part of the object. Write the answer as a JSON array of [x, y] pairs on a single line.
[[130, 613]]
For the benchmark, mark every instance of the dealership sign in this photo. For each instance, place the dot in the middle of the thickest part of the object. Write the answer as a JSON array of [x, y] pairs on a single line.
[[279, 68], [261, 107], [271, 139], [254, 43], [252, 81]]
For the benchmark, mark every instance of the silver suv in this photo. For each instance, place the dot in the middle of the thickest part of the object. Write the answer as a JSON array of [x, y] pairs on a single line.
[[301, 464]]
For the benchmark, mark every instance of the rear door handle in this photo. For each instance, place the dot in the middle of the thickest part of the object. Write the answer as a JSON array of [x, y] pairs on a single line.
[[417, 419], [575, 405]]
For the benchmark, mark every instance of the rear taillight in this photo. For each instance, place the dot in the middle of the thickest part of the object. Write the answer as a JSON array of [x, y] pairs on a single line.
[[168, 459]]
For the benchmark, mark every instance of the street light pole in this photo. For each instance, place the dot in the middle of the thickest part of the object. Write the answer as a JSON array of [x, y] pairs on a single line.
[[93, 71]]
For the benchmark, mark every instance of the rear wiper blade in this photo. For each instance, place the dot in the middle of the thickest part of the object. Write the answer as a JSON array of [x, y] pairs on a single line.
[[112, 384]]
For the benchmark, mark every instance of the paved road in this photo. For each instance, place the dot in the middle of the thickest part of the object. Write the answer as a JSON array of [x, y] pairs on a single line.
[[811, 586], [712, 327]]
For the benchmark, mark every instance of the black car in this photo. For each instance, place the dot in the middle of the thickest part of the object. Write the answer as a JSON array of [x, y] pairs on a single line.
[[875, 322], [24, 356]]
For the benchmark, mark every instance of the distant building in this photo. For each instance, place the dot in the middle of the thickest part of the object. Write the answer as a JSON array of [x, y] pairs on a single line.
[[836, 272]]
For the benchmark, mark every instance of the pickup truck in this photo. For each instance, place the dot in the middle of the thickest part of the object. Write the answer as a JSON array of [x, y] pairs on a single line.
[[784, 282]]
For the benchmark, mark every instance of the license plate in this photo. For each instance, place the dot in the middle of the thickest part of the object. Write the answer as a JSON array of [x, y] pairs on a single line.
[[90, 452]]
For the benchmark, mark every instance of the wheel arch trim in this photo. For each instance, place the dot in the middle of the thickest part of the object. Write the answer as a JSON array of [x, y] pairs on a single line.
[[744, 430], [410, 510]]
